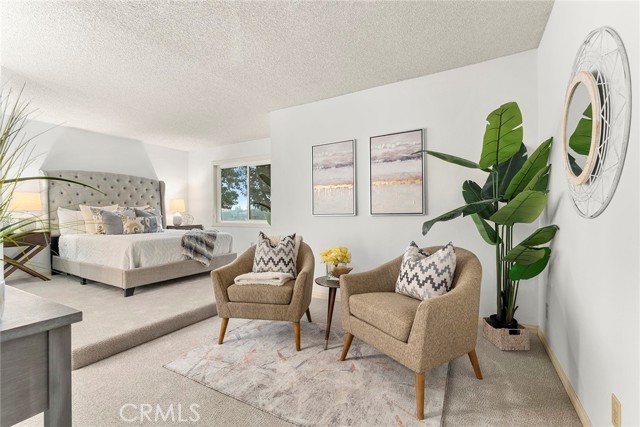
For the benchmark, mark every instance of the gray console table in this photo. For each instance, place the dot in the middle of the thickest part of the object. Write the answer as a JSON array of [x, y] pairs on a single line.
[[35, 359]]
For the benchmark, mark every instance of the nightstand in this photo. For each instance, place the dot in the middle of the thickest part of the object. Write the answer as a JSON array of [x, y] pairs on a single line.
[[186, 227], [30, 245]]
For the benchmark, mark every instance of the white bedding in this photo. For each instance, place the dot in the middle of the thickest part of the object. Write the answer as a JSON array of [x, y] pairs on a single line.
[[132, 250]]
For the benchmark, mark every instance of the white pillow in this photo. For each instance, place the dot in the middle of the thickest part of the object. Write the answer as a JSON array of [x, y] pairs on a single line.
[[89, 222], [71, 222]]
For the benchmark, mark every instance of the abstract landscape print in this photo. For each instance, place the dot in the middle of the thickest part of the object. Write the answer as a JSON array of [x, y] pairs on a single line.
[[397, 173], [334, 190]]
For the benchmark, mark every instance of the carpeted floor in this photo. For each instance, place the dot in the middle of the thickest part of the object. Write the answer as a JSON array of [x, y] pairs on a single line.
[[258, 365], [513, 381], [112, 323]]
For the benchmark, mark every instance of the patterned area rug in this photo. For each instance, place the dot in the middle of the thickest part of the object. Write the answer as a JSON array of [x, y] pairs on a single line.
[[258, 365]]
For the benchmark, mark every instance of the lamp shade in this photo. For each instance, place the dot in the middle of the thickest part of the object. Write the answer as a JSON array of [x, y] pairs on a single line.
[[177, 205], [26, 202]]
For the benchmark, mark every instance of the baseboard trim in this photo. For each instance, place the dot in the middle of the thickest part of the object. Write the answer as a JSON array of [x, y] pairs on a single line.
[[573, 397]]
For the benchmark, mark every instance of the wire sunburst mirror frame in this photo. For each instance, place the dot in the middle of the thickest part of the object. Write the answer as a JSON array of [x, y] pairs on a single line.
[[602, 54]]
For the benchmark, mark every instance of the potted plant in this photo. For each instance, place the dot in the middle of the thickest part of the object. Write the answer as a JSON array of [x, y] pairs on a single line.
[[15, 156], [515, 192]]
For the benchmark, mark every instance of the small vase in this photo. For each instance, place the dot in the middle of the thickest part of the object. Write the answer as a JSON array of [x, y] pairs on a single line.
[[330, 268]]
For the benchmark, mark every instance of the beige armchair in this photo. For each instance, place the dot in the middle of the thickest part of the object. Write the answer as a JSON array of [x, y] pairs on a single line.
[[418, 334], [287, 302]]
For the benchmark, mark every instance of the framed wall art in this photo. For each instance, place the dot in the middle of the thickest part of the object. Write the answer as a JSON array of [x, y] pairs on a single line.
[[397, 174], [334, 178]]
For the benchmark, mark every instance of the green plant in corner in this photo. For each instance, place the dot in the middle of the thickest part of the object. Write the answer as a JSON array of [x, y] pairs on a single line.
[[515, 192]]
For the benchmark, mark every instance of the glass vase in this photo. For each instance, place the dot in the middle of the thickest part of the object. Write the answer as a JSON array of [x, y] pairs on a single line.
[[330, 268]]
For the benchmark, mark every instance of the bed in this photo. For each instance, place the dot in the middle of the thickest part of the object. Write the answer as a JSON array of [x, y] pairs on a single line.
[[123, 261]]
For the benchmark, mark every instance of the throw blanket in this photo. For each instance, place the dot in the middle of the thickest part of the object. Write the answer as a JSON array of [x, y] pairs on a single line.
[[267, 278], [198, 245]]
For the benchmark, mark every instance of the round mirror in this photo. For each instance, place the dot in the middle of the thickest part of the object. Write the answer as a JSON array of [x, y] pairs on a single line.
[[581, 128]]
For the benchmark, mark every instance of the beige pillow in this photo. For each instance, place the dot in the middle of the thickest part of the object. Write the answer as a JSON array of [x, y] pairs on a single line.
[[89, 221], [71, 222]]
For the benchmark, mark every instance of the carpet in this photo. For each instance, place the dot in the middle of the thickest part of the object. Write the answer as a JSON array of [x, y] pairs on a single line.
[[258, 365], [112, 323]]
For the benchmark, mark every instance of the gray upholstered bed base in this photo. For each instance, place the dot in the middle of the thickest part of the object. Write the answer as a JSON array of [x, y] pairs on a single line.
[[124, 190], [130, 279]]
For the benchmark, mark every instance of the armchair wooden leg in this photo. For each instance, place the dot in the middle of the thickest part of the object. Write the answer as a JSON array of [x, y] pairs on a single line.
[[308, 315], [347, 344], [223, 330], [473, 357], [296, 332], [420, 396]]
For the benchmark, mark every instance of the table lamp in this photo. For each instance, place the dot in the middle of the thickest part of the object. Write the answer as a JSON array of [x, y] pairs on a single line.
[[27, 203], [177, 206]]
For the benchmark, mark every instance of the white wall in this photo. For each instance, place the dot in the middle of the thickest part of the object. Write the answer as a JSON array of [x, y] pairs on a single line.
[[592, 289], [171, 166], [452, 107], [202, 192]]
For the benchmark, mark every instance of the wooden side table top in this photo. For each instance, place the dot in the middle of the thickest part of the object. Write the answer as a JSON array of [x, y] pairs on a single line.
[[186, 227], [39, 238], [327, 283]]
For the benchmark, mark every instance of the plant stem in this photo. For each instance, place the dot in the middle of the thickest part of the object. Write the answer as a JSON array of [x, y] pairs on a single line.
[[499, 245]]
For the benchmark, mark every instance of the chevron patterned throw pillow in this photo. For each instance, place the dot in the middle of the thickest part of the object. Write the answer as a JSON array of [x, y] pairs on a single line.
[[424, 276], [278, 257]]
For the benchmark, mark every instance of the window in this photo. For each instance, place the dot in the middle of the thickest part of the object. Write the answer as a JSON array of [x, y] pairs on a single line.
[[244, 192]]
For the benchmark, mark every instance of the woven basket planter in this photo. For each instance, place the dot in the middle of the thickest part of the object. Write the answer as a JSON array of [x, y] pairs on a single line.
[[507, 339]]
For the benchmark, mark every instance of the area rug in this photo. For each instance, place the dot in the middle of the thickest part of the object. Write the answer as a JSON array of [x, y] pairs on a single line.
[[112, 323], [258, 365]]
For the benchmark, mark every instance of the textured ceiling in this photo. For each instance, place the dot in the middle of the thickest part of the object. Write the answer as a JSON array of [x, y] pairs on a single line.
[[189, 75]]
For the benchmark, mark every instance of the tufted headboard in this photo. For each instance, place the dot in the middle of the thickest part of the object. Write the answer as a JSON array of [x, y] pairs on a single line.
[[124, 190]]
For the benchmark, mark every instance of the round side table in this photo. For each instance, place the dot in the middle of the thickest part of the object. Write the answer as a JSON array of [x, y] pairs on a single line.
[[333, 286]]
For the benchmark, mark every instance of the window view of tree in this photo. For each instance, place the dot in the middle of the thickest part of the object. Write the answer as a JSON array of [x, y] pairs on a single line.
[[245, 193]]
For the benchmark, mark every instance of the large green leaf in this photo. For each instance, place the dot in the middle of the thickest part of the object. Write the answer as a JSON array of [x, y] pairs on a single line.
[[524, 255], [538, 160], [580, 139], [541, 236], [465, 210], [471, 192], [524, 208], [454, 159], [520, 271], [485, 229], [503, 135], [505, 171], [575, 167], [540, 181]]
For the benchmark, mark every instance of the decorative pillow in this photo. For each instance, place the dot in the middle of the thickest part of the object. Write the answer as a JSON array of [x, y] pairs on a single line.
[[276, 239], [71, 222], [151, 213], [89, 221], [122, 208], [278, 257], [139, 225], [424, 276], [133, 225], [112, 222]]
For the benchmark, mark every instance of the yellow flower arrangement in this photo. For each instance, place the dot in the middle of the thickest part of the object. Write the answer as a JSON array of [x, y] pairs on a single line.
[[336, 255]]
